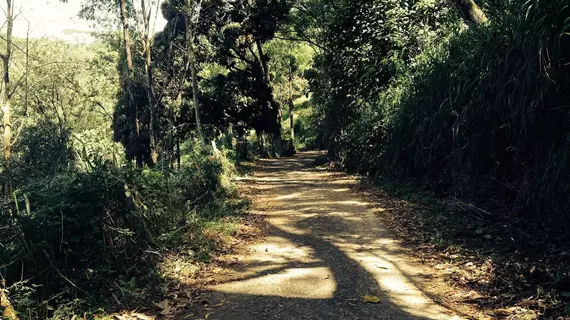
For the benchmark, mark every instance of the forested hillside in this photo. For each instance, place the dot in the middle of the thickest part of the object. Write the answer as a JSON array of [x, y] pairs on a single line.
[[121, 153]]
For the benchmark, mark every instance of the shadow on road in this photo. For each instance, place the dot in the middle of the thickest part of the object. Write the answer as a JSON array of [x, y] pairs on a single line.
[[324, 251]]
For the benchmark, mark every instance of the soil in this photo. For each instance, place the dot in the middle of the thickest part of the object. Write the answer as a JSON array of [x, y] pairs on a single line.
[[325, 253]]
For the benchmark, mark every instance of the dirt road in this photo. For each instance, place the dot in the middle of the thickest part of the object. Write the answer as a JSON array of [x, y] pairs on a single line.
[[325, 249]]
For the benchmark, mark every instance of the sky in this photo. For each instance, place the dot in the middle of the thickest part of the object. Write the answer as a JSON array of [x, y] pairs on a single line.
[[51, 19]]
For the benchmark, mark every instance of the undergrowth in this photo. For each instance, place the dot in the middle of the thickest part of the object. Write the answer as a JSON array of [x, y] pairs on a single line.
[[506, 272], [84, 241]]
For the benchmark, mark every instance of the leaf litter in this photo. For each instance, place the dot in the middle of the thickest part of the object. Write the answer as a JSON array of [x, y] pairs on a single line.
[[498, 269]]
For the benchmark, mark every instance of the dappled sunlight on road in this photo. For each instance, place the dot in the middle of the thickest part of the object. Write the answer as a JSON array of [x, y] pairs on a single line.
[[307, 283], [324, 245]]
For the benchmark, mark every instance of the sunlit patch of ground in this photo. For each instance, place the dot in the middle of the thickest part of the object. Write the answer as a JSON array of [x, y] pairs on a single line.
[[326, 255]]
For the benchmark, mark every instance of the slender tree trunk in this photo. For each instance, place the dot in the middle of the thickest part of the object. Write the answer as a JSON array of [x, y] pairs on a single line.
[[276, 145], [170, 153], [292, 123], [6, 103], [291, 111], [195, 95], [469, 11], [172, 124], [26, 84], [7, 123], [127, 39], [192, 19], [8, 311], [135, 123], [276, 135], [152, 105], [244, 149], [261, 144], [178, 153]]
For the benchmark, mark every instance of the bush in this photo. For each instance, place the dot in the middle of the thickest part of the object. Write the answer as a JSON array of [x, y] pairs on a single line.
[[44, 149], [79, 233]]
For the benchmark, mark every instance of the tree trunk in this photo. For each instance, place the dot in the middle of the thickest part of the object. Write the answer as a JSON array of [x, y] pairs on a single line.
[[172, 124], [192, 19], [178, 153], [195, 97], [8, 311], [244, 151], [292, 127], [276, 146], [135, 123], [260, 143], [291, 111], [127, 39], [469, 11], [152, 105], [263, 60], [6, 96]]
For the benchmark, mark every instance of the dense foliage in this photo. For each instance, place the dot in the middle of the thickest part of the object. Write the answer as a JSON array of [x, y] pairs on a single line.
[[80, 232], [403, 89]]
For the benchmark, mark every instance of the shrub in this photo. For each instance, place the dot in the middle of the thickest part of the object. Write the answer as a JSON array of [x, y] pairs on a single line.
[[79, 233]]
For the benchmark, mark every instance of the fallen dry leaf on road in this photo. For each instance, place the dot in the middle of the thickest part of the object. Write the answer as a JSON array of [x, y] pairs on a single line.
[[371, 299], [165, 306], [143, 316]]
